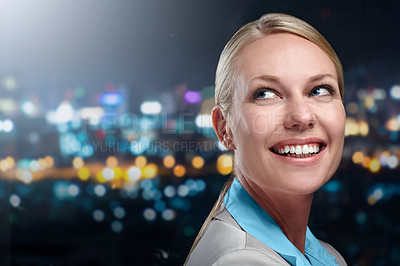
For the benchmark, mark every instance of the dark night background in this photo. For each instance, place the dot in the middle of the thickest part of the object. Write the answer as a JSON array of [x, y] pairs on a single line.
[[64, 56]]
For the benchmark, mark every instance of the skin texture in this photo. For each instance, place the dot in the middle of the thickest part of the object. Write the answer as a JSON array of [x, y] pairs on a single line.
[[288, 93]]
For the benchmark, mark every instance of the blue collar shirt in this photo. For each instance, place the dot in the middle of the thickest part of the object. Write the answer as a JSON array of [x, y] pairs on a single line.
[[257, 222]]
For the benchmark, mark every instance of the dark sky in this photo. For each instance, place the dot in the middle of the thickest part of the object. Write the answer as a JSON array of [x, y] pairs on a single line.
[[153, 45]]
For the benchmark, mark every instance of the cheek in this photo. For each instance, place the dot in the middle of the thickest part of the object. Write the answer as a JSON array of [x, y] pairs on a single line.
[[335, 120], [260, 122]]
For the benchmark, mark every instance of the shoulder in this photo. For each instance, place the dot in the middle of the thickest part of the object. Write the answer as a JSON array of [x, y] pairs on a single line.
[[331, 250], [225, 243]]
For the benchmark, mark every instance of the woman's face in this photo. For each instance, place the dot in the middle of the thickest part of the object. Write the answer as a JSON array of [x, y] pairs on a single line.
[[287, 119]]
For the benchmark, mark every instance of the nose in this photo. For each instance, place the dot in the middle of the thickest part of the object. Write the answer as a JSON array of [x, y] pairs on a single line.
[[299, 116]]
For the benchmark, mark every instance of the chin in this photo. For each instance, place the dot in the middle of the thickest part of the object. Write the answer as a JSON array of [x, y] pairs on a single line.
[[304, 184]]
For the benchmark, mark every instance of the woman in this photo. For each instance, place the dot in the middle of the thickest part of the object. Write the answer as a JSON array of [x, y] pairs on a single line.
[[279, 90]]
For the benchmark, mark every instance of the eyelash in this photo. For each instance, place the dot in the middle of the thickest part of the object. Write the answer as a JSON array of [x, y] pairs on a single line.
[[264, 90], [323, 86]]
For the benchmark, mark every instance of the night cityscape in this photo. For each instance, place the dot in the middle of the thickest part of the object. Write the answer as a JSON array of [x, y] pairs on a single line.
[[108, 155]]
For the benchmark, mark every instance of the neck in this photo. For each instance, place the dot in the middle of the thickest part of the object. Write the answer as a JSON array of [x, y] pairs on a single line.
[[290, 212]]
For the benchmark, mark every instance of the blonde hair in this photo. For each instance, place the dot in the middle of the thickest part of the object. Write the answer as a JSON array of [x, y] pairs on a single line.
[[227, 75]]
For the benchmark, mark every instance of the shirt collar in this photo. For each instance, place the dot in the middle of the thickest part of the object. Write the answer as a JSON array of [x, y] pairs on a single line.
[[258, 223]]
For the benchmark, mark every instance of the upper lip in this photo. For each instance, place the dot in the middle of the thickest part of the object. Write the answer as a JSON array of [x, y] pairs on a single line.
[[296, 141]]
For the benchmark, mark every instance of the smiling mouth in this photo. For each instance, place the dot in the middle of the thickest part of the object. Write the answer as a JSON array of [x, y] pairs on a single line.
[[298, 151]]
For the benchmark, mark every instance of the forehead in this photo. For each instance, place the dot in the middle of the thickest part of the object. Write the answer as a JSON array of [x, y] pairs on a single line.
[[286, 56]]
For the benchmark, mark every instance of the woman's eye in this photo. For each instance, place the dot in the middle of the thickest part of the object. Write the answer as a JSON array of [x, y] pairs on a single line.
[[322, 90], [265, 94]]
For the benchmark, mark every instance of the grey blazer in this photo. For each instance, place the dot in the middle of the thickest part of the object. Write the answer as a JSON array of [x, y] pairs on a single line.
[[225, 243]]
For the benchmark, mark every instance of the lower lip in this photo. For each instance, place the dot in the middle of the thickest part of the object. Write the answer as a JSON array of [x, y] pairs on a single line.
[[306, 161]]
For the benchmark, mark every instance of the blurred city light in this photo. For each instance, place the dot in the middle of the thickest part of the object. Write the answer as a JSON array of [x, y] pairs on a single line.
[[63, 114], [395, 92], [197, 162], [98, 215], [169, 161], [149, 214], [84, 174], [28, 108], [111, 98], [134, 173], [149, 171], [192, 96], [203, 120], [77, 163], [15, 200], [179, 170], [140, 161], [7, 106], [92, 114], [6, 125], [117, 226], [150, 108], [374, 165], [9, 82], [119, 212], [224, 164]]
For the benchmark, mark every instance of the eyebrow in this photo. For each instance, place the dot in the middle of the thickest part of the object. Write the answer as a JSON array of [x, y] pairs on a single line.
[[276, 79], [321, 76], [267, 78]]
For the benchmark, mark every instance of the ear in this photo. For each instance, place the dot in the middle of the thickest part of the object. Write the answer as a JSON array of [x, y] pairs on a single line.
[[221, 128]]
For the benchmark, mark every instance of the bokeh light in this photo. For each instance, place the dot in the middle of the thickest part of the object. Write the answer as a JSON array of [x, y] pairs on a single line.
[[98, 215], [395, 92], [100, 190], [6, 125], [111, 98], [15, 200], [133, 173], [179, 170], [149, 171], [374, 165], [224, 164], [140, 161], [9, 82], [117, 226], [108, 173], [119, 212], [203, 121], [28, 108], [192, 97], [357, 157], [198, 162], [393, 124], [168, 215], [84, 173], [150, 108], [170, 191], [149, 214], [112, 161], [77, 163], [169, 161], [49, 161]]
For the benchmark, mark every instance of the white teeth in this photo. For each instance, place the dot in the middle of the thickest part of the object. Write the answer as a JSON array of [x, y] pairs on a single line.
[[298, 150], [305, 149]]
